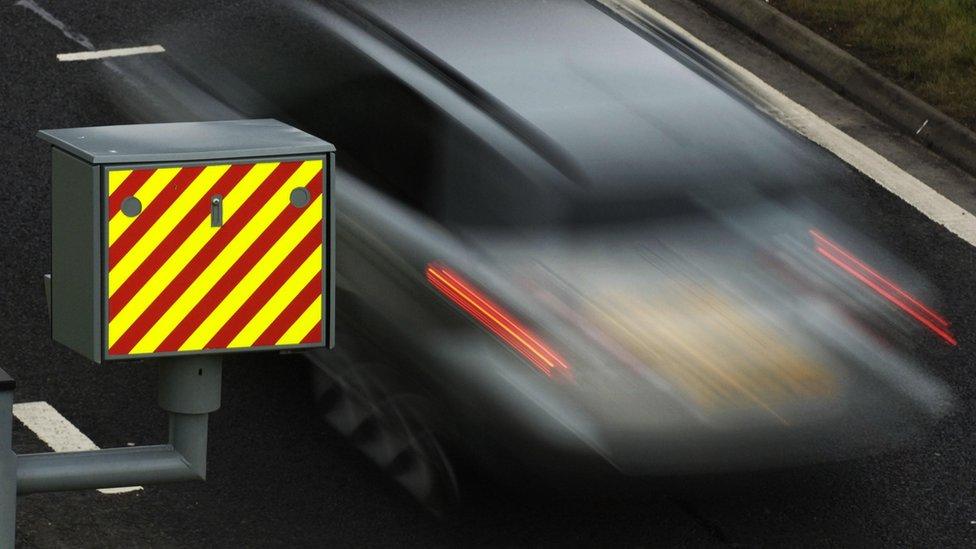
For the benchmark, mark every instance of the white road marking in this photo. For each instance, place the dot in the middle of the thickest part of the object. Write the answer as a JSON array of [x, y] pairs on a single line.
[[58, 433], [83, 40], [793, 115], [102, 54]]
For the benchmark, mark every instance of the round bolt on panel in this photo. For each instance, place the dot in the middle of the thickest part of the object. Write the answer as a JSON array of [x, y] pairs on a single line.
[[300, 197], [131, 206]]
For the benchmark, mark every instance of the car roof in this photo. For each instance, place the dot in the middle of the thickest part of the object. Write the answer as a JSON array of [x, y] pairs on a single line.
[[628, 109]]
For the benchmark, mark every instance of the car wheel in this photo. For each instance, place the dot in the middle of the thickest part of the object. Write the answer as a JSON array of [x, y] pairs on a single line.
[[394, 427]]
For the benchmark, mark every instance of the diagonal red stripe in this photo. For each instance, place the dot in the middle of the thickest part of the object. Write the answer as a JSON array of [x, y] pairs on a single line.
[[290, 314], [314, 335], [242, 267], [132, 183], [263, 293], [124, 293], [151, 214], [203, 258]]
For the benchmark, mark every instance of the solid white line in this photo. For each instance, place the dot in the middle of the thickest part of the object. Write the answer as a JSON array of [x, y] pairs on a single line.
[[58, 433], [102, 54], [793, 115]]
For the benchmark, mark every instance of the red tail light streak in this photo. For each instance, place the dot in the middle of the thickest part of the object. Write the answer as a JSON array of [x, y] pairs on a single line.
[[905, 301], [497, 320]]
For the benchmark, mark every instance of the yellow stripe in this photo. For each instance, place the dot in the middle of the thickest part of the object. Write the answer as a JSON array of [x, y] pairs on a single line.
[[285, 295], [262, 269], [120, 222], [146, 194], [183, 254], [303, 325], [115, 178], [224, 260], [164, 225]]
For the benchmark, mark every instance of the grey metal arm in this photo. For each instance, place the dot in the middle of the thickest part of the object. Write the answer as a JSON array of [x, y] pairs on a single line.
[[184, 458], [189, 389]]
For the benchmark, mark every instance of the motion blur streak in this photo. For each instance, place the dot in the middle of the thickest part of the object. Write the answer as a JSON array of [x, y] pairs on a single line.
[[599, 253], [859, 270], [497, 320], [929, 312]]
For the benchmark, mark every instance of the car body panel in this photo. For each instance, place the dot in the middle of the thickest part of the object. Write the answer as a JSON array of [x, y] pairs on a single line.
[[452, 119]]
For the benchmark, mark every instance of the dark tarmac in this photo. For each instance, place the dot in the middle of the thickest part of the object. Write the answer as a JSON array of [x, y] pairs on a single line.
[[278, 477]]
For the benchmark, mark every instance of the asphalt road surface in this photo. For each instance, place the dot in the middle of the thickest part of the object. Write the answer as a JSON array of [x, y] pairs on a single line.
[[277, 477]]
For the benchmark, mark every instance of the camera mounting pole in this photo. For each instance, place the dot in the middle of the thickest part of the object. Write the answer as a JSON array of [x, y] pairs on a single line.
[[8, 463]]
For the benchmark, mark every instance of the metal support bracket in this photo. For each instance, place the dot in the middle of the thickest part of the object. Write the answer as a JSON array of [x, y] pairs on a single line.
[[8, 463], [189, 389]]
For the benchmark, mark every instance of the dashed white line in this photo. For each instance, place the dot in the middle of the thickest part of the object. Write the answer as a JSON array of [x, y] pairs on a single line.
[[83, 40], [793, 115], [102, 54], [58, 433]]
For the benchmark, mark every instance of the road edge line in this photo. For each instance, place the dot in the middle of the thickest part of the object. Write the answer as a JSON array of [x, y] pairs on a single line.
[[791, 114], [850, 77]]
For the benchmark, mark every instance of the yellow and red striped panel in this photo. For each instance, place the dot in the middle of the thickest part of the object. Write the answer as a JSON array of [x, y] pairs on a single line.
[[176, 283]]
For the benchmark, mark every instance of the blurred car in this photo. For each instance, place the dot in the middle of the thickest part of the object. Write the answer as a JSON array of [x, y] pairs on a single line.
[[565, 244]]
